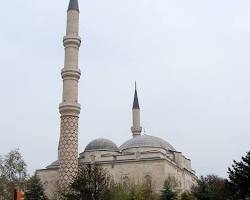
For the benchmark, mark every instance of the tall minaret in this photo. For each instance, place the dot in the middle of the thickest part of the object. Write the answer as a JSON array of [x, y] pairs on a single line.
[[136, 128], [70, 108]]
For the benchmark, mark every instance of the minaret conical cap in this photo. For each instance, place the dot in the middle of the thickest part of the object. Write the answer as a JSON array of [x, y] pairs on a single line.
[[136, 102], [73, 5]]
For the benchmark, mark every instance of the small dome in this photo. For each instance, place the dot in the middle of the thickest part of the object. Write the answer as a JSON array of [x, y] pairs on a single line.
[[146, 141], [101, 144], [53, 165]]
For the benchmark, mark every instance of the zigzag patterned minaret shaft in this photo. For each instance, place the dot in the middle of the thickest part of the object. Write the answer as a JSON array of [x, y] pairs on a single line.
[[70, 108]]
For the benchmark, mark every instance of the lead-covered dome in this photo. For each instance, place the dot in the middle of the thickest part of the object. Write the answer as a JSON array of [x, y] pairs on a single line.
[[101, 144], [146, 141], [54, 165]]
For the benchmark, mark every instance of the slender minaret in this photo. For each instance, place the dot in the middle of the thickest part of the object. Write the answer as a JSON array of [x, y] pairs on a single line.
[[136, 128], [70, 108]]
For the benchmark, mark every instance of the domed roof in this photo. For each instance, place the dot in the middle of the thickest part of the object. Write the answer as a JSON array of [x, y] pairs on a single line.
[[146, 141], [101, 144], [53, 165]]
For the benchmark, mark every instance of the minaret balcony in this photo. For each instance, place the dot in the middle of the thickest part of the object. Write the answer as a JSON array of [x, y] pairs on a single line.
[[72, 40], [71, 73], [136, 129], [69, 109]]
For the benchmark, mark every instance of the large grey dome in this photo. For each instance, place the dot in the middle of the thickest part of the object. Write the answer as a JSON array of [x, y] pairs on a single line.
[[101, 144], [146, 141]]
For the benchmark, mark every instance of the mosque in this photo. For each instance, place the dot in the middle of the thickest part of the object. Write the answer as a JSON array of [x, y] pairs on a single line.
[[141, 158]]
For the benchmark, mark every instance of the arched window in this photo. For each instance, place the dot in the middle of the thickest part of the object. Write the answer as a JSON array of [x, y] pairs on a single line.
[[138, 155], [125, 180], [148, 179], [92, 158]]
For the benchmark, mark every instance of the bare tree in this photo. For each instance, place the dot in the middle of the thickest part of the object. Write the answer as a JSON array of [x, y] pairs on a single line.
[[13, 173]]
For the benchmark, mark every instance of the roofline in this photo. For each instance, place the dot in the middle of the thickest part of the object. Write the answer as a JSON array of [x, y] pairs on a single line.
[[144, 159], [149, 147], [99, 150], [39, 170]]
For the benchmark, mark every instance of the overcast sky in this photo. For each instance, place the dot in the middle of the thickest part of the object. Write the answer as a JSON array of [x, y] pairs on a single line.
[[190, 59]]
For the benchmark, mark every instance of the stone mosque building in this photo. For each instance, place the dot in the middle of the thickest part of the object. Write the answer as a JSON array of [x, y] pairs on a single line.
[[141, 158]]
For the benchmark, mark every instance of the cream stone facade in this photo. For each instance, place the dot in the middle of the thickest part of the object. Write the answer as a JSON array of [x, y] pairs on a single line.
[[138, 160], [141, 158], [49, 178]]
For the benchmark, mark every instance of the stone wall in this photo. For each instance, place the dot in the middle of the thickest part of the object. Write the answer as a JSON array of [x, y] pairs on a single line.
[[135, 166], [49, 178]]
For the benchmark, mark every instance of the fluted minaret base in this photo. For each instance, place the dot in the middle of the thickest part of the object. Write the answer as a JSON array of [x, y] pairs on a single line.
[[136, 131]]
